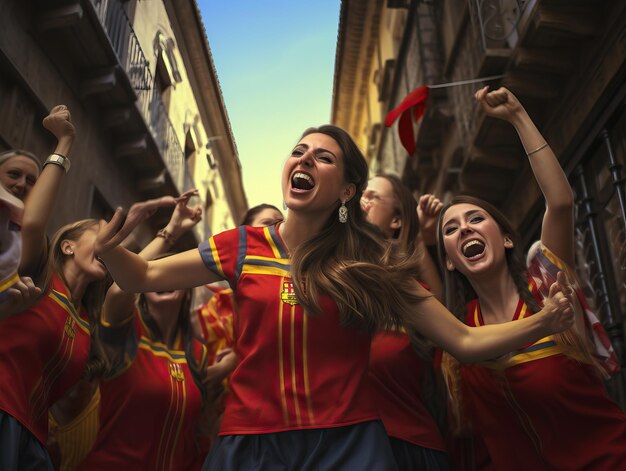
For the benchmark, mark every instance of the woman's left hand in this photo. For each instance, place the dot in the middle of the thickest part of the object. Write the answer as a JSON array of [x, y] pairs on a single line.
[[428, 209], [500, 103]]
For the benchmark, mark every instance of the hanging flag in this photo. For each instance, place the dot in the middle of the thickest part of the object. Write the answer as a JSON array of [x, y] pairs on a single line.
[[417, 101]]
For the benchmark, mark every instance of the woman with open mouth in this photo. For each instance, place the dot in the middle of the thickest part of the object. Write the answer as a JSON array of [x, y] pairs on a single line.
[[309, 292], [543, 405]]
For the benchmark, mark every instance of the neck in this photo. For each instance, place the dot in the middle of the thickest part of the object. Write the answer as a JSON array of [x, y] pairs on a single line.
[[167, 322], [497, 294], [300, 227], [76, 281]]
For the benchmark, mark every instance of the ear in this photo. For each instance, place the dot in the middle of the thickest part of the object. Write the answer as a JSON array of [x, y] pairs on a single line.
[[348, 192], [66, 247], [508, 243], [396, 223], [449, 265]]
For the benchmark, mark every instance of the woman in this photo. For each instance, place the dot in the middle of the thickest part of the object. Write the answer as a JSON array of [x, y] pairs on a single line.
[[543, 406], [44, 350], [403, 383], [153, 395], [21, 174], [299, 393], [262, 215]]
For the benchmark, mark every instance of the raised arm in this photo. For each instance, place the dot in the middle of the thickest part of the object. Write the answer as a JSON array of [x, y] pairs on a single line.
[[472, 344], [133, 273], [557, 231], [119, 304], [40, 202], [428, 209]]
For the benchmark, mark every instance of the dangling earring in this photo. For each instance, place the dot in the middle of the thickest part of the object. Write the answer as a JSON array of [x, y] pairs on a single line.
[[343, 213], [284, 205]]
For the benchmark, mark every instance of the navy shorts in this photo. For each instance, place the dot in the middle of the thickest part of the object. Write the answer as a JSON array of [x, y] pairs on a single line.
[[409, 456], [19, 449], [362, 447]]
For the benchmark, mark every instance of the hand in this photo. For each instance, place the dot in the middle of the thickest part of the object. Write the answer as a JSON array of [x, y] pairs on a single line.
[[184, 218], [557, 307], [21, 296], [112, 233], [59, 123], [428, 209], [500, 103]]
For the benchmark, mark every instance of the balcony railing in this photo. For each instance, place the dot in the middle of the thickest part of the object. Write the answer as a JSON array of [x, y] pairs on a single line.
[[126, 45]]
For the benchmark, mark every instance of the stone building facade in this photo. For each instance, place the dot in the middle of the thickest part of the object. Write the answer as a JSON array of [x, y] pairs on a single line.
[[140, 82]]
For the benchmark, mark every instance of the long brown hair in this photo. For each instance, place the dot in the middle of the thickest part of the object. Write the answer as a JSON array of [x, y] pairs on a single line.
[[370, 280], [93, 297], [405, 208]]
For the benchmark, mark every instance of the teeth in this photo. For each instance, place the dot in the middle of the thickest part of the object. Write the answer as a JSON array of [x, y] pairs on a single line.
[[303, 176], [469, 244]]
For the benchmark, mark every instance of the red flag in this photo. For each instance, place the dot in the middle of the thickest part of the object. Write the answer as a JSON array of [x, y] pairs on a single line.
[[417, 100]]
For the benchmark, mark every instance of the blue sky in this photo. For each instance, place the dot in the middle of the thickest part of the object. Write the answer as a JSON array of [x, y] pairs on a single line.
[[275, 62]]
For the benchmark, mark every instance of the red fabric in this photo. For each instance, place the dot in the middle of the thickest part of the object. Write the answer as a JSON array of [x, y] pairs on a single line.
[[43, 353], [216, 321], [417, 101], [546, 413], [149, 412], [295, 371], [396, 373]]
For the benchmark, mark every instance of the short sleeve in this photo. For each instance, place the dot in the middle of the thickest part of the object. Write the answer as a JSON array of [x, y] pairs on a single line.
[[224, 253]]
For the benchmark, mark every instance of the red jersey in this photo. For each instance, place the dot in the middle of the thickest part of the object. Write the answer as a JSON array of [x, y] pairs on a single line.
[[216, 321], [540, 408], [397, 375], [295, 371], [149, 407], [43, 353]]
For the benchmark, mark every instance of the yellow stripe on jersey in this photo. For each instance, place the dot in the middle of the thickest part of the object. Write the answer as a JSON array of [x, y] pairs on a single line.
[[161, 350], [270, 241], [265, 270], [294, 384], [281, 373], [216, 257]]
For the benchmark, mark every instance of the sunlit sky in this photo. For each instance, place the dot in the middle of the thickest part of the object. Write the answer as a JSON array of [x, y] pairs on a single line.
[[275, 62]]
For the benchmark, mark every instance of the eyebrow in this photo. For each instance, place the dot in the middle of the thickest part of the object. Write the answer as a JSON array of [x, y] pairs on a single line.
[[466, 214], [317, 151]]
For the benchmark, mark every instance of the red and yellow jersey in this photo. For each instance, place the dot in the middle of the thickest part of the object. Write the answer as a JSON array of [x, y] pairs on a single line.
[[539, 407], [149, 408], [216, 322], [295, 371], [397, 373], [43, 353]]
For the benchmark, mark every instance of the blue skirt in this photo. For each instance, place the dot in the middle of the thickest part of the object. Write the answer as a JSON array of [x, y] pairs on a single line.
[[19, 449], [409, 456], [362, 447]]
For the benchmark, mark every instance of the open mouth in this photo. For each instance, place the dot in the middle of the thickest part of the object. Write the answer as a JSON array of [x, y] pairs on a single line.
[[302, 181], [473, 249]]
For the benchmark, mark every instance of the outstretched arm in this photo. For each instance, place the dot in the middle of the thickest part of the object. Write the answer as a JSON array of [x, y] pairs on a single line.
[[42, 197], [118, 304], [472, 344], [557, 231], [428, 209], [133, 273]]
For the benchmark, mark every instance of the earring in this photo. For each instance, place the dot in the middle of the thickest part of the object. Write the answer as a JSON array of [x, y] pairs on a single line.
[[343, 213], [284, 205]]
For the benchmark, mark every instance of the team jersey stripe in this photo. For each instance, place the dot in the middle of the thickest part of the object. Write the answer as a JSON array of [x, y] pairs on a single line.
[[275, 243], [281, 372], [165, 431], [283, 263], [265, 270], [305, 368], [241, 252], [66, 304], [180, 422], [161, 350], [294, 385], [210, 257]]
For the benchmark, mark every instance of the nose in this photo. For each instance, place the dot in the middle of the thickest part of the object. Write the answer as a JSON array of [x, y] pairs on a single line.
[[465, 228], [306, 159]]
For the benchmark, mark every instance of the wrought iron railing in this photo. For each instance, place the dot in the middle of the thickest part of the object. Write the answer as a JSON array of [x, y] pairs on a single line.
[[125, 43]]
